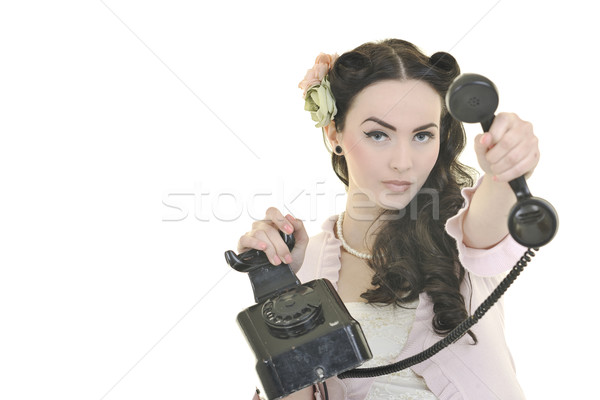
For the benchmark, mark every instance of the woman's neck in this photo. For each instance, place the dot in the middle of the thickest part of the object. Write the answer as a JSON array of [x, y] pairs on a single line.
[[358, 227]]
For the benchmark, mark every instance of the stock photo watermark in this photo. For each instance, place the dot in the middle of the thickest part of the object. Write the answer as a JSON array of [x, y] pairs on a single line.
[[315, 202]]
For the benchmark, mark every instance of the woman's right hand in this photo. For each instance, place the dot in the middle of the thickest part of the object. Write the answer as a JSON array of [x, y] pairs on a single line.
[[265, 236]]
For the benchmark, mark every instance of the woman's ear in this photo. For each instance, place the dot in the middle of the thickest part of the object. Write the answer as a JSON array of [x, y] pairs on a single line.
[[331, 133]]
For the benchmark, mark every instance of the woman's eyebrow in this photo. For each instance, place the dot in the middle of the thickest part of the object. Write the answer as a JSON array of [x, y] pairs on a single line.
[[385, 124], [422, 128], [380, 122]]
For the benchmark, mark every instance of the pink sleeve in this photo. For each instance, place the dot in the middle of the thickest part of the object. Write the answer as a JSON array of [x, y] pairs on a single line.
[[482, 262]]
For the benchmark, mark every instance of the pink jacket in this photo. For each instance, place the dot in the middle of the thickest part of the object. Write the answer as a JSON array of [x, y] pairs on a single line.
[[462, 370]]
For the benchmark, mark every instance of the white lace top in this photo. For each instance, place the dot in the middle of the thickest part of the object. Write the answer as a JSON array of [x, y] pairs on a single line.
[[386, 328]]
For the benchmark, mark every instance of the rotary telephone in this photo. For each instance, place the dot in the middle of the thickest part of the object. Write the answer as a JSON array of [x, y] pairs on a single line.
[[302, 334]]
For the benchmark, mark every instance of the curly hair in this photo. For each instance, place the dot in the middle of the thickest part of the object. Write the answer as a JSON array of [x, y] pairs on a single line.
[[412, 251]]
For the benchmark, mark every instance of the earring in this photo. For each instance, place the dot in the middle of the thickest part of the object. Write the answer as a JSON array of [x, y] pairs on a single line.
[[338, 150]]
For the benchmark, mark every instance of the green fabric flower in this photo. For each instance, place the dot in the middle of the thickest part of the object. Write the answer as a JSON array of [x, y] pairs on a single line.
[[321, 104]]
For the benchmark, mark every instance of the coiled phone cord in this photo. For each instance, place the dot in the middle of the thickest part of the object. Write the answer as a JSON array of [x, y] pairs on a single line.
[[454, 335]]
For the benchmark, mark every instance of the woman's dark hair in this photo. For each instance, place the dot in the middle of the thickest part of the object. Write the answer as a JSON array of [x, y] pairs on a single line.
[[412, 251]]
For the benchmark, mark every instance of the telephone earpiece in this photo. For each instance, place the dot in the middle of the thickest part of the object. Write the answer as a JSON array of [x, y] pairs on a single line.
[[532, 221]]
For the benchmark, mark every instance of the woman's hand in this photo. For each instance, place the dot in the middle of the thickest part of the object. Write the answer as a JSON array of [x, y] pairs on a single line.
[[265, 236], [509, 150]]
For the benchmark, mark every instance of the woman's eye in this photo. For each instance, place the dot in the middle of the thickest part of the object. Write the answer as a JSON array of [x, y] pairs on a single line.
[[376, 135], [423, 137]]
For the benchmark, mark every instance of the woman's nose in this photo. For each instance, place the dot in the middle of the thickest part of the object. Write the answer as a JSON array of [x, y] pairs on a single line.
[[401, 158]]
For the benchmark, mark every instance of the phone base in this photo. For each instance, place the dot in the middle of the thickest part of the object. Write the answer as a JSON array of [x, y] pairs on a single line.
[[302, 336]]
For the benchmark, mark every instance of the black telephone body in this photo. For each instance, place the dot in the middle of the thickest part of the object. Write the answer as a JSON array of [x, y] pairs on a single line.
[[300, 333]]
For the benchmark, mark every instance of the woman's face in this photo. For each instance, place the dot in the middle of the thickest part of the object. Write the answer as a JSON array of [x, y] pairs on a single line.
[[391, 140]]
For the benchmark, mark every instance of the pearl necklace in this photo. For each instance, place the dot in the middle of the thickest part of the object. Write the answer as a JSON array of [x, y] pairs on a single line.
[[349, 249]]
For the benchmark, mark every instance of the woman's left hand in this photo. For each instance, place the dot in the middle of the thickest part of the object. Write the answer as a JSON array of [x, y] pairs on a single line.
[[509, 150]]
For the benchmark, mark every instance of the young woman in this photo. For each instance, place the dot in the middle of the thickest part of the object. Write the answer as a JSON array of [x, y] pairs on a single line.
[[419, 245]]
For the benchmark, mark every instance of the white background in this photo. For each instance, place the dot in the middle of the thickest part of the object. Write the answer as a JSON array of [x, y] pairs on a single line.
[[124, 124]]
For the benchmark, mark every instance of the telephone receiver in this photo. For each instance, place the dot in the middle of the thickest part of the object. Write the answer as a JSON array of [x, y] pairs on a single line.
[[532, 221]]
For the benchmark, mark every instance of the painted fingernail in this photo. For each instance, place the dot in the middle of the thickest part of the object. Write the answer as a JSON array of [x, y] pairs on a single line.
[[288, 228]]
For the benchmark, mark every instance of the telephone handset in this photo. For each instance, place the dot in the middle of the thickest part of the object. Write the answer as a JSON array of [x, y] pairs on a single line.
[[532, 221]]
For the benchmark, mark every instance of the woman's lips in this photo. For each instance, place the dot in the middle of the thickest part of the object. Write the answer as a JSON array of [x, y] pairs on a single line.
[[397, 186]]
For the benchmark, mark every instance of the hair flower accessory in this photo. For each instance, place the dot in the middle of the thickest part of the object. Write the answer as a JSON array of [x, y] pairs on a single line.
[[317, 91]]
